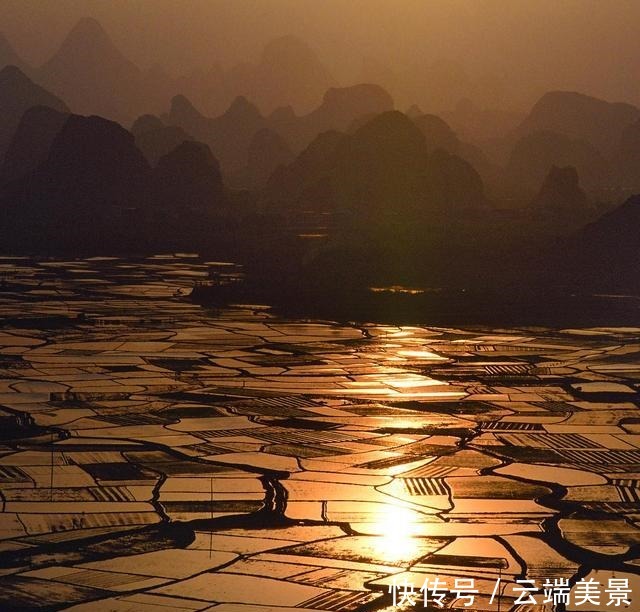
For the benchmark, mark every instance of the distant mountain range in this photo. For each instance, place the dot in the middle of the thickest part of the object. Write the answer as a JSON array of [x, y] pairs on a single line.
[[289, 142], [581, 117], [231, 134], [94, 77]]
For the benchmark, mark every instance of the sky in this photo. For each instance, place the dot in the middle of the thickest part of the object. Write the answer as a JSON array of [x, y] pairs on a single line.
[[514, 48]]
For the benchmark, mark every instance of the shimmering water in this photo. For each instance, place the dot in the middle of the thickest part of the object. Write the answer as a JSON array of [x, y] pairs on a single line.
[[157, 454]]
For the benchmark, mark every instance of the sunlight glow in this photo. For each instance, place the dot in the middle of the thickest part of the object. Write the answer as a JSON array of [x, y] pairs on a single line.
[[397, 528]]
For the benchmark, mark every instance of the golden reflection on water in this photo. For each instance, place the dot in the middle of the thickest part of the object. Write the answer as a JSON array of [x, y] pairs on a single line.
[[397, 289], [421, 354], [397, 528]]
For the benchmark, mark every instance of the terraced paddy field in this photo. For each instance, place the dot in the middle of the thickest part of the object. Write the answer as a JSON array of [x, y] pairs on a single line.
[[157, 455]]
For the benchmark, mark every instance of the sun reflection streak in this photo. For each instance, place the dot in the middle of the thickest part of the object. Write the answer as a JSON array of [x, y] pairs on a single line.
[[397, 529]]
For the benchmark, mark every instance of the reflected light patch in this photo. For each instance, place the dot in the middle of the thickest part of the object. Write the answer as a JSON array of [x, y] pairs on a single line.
[[409, 382], [397, 289], [397, 527], [427, 355]]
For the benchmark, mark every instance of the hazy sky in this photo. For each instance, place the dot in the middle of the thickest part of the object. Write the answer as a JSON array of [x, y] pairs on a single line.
[[589, 45]]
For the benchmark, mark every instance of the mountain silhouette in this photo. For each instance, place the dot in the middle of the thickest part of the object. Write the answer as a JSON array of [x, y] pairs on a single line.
[[288, 72], [206, 88], [339, 109], [283, 115], [80, 196], [267, 151], [241, 117], [146, 123], [386, 165], [561, 201], [185, 115], [605, 255], [233, 132], [18, 94], [626, 159], [581, 117], [618, 231], [342, 105], [292, 186], [187, 178], [31, 143], [94, 163], [474, 123], [534, 154], [383, 161], [91, 73], [437, 133], [383, 171], [228, 135], [8, 56], [155, 139]]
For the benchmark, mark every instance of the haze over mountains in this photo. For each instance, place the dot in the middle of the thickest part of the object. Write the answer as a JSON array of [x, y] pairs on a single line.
[[257, 255], [8, 56], [92, 74], [497, 53], [17, 95], [254, 159]]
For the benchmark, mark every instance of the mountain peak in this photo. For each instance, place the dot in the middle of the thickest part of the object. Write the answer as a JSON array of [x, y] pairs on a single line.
[[182, 106], [91, 73], [580, 116], [12, 74], [8, 56], [87, 45], [17, 90], [390, 122], [90, 29], [241, 107], [561, 192], [18, 93]]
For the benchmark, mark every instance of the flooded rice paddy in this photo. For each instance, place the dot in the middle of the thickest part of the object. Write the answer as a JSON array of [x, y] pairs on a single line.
[[156, 454]]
